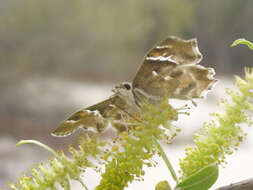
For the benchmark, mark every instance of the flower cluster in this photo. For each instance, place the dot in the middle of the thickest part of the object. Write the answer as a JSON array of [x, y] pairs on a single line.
[[223, 134], [61, 168], [135, 148]]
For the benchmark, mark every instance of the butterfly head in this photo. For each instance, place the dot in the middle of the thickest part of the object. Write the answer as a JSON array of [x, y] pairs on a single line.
[[124, 90]]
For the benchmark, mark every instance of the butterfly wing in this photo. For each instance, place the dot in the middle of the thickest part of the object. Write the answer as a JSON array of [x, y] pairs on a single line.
[[171, 68], [94, 118]]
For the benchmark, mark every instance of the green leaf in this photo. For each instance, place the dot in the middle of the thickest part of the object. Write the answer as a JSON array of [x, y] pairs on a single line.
[[242, 41], [201, 180]]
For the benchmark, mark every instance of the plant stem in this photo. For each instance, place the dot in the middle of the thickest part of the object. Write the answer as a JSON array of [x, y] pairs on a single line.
[[165, 159], [41, 145], [85, 187]]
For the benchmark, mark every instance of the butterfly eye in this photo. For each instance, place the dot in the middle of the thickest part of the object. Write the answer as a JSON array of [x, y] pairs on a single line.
[[127, 86]]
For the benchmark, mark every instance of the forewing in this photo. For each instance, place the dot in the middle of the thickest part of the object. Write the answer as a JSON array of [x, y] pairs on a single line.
[[94, 118], [170, 69]]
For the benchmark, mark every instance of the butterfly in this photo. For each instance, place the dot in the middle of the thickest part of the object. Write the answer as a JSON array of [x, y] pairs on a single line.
[[169, 69]]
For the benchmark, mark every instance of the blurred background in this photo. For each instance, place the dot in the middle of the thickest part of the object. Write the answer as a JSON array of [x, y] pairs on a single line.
[[57, 56]]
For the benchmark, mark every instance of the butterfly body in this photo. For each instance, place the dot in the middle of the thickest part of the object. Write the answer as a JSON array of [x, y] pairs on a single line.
[[170, 69]]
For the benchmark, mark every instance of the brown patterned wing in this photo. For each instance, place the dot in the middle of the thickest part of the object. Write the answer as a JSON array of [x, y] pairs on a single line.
[[95, 118], [171, 69]]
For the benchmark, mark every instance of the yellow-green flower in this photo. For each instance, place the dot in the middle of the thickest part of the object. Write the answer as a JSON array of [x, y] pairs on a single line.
[[223, 134]]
